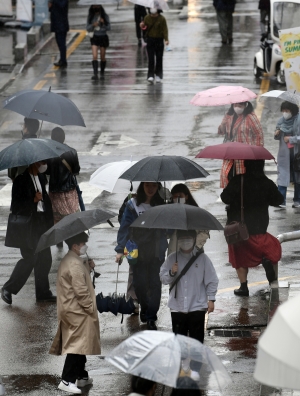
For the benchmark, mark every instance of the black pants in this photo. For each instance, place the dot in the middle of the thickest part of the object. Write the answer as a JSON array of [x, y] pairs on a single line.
[[40, 263], [192, 324], [61, 38], [74, 368], [155, 50], [147, 286]]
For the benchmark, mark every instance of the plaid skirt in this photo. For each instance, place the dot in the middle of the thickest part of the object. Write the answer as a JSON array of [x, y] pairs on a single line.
[[247, 254], [63, 204]]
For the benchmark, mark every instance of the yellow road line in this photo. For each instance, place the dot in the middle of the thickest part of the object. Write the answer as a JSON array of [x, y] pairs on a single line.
[[251, 285], [74, 45], [264, 87], [40, 84]]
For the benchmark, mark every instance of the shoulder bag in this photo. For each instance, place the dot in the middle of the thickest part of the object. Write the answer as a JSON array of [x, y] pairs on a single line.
[[20, 232], [237, 231], [79, 192]]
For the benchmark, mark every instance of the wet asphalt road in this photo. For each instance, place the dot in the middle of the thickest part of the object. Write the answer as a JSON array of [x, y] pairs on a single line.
[[126, 118]]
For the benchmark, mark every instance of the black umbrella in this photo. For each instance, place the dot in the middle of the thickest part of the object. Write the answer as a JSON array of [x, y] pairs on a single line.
[[45, 106], [27, 151], [164, 168], [177, 217], [73, 224]]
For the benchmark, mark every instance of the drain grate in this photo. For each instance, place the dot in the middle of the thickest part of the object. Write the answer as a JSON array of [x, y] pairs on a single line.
[[6, 68], [233, 333]]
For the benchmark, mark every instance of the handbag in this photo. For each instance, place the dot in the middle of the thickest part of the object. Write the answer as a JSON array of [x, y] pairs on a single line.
[[19, 233], [90, 34], [79, 192], [237, 231]]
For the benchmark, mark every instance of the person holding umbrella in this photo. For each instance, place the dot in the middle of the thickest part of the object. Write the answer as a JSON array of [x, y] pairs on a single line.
[[139, 14], [30, 200], [194, 285], [98, 24], [239, 124], [78, 331], [259, 193], [157, 33], [152, 245]]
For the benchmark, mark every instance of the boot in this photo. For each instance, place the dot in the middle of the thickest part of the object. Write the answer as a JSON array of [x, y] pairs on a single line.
[[95, 67], [269, 268], [102, 67], [243, 290]]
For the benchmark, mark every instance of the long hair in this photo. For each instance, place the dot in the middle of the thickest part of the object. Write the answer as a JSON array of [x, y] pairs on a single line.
[[141, 196], [182, 188], [93, 11], [294, 109], [141, 385], [248, 109]]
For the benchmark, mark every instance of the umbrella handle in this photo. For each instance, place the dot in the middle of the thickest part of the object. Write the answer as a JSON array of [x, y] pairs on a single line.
[[117, 278]]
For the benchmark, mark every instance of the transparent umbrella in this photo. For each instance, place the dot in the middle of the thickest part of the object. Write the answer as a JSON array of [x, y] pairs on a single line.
[[159, 4], [161, 356]]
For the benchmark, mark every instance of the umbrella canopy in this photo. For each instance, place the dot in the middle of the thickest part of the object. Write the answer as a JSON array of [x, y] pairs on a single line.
[[159, 4], [164, 168], [45, 106], [72, 225], [278, 363], [157, 356], [177, 217], [223, 95], [107, 177], [115, 304], [28, 151], [235, 151], [283, 95]]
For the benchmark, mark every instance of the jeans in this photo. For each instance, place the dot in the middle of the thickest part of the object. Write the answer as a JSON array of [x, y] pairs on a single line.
[[155, 50], [61, 38], [147, 285], [74, 368], [282, 191], [225, 21], [296, 198]]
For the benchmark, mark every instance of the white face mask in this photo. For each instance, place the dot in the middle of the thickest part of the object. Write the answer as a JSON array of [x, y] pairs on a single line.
[[42, 168], [239, 110], [186, 244], [286, 115], [83, 250], [153, 10]]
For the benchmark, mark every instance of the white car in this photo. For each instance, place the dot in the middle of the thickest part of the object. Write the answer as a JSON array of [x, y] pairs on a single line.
[[284, 14]]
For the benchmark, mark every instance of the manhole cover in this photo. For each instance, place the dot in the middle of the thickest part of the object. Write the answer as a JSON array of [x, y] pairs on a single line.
[[6, 68], [232, 333]]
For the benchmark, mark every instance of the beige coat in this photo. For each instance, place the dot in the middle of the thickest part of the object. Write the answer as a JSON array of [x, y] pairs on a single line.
[[78, 324]]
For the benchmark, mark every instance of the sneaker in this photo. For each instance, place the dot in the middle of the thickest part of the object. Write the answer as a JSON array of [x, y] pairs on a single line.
[[69, 387], [296, 205], [84, 381], [158, 79], [151, 80], [195, 375], [282, 206]]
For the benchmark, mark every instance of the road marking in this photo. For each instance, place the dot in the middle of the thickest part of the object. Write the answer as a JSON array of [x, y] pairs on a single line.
[[115, 141], [252, 284], [264, 87], [50, 75], [40, 84]]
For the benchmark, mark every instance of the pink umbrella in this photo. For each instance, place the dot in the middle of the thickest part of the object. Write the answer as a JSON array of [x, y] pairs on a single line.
[[223, 95], [235, 151]]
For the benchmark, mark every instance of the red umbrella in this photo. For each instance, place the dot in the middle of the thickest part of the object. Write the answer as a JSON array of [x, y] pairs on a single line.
[[235, 151]]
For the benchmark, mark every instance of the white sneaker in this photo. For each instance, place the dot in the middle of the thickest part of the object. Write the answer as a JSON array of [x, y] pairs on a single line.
[[195, 375], [282, 206], [69, 387], [158, 79], [151, 80], [84, 381]]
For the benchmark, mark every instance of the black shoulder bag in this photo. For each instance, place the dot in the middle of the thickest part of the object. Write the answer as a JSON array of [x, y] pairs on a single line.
[[185, 269]]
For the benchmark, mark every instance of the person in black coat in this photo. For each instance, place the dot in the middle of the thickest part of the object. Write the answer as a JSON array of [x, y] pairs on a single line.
[[29, 198], [224, 10], [139, 15], [259, 193], [264, 7], [60, 26]]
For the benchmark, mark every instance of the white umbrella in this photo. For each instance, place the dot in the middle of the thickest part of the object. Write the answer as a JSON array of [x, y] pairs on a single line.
[[159, 4], [157, 356], [283, 95], [107, 177], [278, 362]]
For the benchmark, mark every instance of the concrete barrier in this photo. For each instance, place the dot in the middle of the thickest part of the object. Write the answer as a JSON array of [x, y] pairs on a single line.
[[46, 27], [20, 52], [33, 36]]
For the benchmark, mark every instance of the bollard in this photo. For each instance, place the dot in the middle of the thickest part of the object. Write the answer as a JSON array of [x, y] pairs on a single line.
[[33, 36], [288, 236], [46, 27], [20, 55]]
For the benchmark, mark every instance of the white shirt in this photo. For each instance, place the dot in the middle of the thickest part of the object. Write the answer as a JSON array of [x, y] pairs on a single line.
[[38, 187]]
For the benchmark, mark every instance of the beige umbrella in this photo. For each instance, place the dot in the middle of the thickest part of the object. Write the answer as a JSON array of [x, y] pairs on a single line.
[[278, 359]]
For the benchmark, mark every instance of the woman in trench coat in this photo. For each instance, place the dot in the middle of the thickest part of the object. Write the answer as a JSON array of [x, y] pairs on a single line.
[[78, 331]]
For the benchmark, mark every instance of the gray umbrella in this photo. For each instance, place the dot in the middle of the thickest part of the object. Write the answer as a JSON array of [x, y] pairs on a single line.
[[164, 168], [28, 151], [177, 217], [45, 106], [73, 224]]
